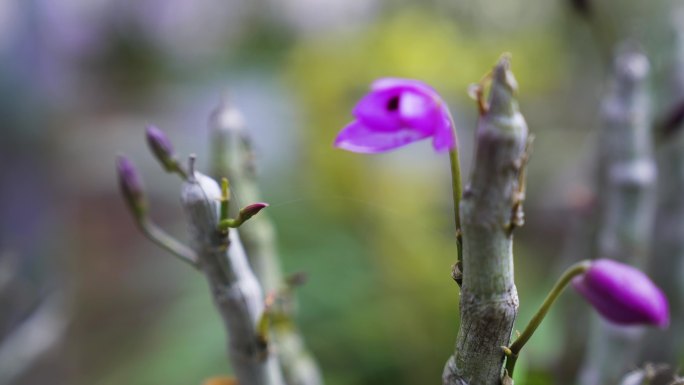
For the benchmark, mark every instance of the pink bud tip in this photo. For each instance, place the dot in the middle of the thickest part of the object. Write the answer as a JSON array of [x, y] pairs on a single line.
[[252, 210]]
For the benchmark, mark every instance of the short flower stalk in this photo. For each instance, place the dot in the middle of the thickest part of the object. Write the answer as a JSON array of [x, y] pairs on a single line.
[[457, 192]]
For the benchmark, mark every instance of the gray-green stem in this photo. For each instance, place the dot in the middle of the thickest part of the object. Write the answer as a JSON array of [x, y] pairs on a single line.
[[489, 299], [235, 290], [667, 265], [232, 156], [513, 351], [167, 242], [626, 188]]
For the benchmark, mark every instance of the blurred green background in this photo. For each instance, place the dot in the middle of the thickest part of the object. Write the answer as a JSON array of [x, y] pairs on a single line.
[[80, 79]]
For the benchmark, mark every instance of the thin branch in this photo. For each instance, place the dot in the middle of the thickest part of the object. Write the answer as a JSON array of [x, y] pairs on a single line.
[[167, 242], [237, 294]]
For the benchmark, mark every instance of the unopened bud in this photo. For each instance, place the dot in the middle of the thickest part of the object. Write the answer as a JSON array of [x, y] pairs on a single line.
[[245, 214], [161, 147], [251, 210], [623, 294], [131, 186]]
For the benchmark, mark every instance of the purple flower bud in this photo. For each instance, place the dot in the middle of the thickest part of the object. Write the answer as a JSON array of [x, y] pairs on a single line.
[[131, 186], [250, 211], [395, 113], [161, 147], [623, 294]]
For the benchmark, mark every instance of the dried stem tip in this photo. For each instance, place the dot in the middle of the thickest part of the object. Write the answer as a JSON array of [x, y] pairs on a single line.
[[503, 89]]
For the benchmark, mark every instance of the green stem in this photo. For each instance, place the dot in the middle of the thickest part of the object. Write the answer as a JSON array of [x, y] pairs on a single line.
[[228, 223], [178, 169], [514, 349], [457, 189], [456, 185], [225, 200], [167, 242]]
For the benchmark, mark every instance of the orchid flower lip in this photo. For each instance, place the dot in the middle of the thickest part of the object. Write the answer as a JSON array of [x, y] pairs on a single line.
[[397, 112]]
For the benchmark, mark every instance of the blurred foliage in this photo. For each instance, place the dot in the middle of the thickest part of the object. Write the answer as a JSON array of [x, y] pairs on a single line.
[[187, 342]]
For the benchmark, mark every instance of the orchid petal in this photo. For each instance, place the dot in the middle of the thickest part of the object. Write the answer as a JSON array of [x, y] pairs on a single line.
[[396, 112], [357, 137], [421, 112], [373, 110], [444, 138]]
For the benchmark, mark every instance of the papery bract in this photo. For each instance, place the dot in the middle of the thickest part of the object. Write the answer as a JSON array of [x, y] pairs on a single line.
[[397, 112], [623, 294]]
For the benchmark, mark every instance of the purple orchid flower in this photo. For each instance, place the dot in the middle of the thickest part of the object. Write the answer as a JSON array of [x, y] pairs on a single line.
[[623, 294], [395, 113]]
